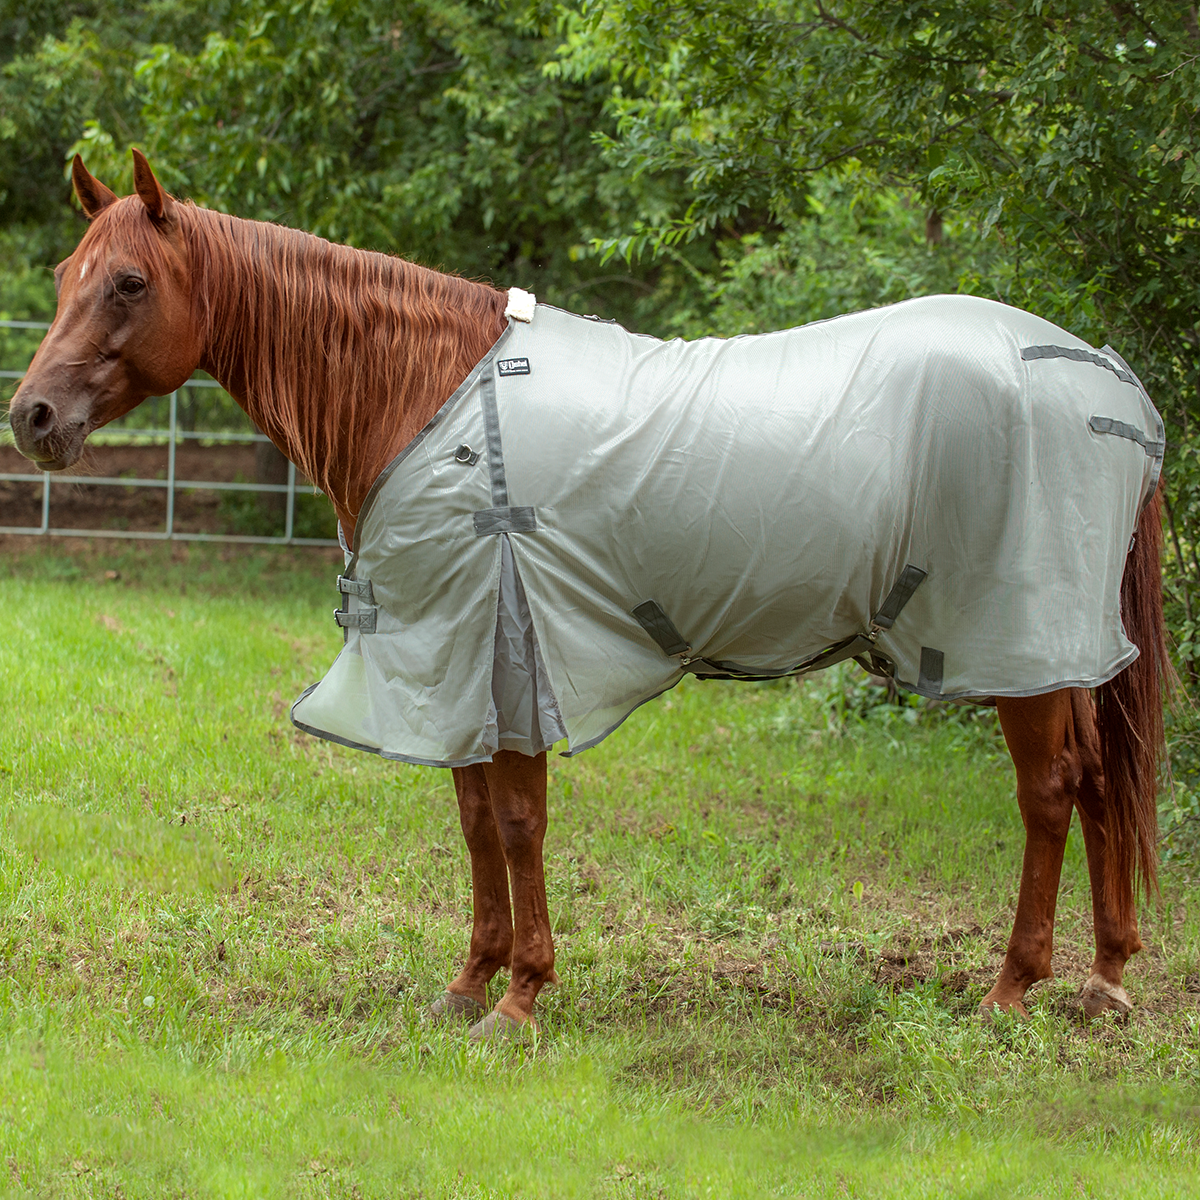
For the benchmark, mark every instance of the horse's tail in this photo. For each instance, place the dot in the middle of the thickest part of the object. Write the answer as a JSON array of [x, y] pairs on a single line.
[[1129, 715]]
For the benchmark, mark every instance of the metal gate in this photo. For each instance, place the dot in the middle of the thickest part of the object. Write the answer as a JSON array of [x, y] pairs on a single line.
[[172, 436]]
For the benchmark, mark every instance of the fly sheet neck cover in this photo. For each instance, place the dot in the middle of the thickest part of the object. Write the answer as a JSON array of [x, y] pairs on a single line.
[[944, 490]]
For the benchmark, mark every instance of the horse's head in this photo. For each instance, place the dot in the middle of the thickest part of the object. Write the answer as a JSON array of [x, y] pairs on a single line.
[[125, 327]]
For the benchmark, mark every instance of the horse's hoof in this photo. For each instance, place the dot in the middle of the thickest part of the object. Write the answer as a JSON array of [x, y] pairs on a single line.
[[989, 1009], [450, 1006], [498, 1027], [1100, 996]]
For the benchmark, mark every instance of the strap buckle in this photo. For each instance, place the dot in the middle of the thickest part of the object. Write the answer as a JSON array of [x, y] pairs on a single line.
[[356, 587], [363, 620]]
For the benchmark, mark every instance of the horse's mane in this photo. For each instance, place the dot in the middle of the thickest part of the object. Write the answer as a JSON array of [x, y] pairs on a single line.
[[339, 355]]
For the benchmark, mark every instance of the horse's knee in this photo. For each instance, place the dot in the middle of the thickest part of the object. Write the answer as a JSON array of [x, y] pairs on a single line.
[[477, 823], [521, 827], [1047, 798]]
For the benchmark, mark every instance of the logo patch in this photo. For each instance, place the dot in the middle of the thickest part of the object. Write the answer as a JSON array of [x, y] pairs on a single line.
[[512, 366]]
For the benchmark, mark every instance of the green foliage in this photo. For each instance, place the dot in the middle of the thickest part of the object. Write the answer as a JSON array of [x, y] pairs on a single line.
[[429, 128], [1069, 133], [26, 290], [246, 513], [1066, 134], [130, 851], [856, 247]]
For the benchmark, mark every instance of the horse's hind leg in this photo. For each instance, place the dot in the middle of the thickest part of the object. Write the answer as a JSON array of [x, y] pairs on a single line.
[[1117, 939], [492, 925], [1040, 736]]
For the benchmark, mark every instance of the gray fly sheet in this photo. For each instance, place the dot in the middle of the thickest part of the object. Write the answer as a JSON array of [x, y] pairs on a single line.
[[944, 489]]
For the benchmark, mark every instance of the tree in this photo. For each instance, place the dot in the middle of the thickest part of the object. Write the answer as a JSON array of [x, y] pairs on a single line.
[[425, 127]]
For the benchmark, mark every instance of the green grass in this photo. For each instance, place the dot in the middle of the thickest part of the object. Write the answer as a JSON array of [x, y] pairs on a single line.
[[774, 921]]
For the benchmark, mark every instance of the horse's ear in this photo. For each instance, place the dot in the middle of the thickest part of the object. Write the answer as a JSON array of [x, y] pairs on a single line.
[[93, 195], [158, 203]]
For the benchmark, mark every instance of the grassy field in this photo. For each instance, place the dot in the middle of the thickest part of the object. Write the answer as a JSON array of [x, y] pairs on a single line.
[[774, 917]]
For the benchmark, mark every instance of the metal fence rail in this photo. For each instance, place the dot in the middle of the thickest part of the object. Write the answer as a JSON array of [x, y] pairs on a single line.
[[173, 435]]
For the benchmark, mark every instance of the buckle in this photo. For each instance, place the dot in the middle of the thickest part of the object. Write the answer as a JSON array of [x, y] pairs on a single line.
[[363, 620], [356, 587]]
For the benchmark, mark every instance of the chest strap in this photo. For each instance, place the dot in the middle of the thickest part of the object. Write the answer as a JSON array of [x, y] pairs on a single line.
[[364, 618], [356, 587]]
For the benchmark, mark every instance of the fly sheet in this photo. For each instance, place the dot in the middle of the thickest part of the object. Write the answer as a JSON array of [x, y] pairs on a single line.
[[944, 489]]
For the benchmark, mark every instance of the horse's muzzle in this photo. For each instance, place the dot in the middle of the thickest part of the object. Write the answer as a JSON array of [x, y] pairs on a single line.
[[43, 435]]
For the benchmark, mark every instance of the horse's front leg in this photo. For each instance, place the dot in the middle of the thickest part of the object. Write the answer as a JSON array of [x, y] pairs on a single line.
[[1041, 740], [492, 926], [516, 784]]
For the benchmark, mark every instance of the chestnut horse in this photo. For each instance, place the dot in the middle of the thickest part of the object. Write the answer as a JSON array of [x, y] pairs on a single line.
[[342, 357]]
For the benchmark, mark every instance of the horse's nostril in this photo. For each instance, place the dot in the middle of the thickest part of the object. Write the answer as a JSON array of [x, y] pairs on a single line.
[[42, 419]]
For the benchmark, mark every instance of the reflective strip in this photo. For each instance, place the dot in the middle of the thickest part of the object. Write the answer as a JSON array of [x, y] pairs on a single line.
[[933, 664], [1089, 356], [1121, 430], [505, 520], [363, 620], [491, 425], [356, 587], [651, 617], [898, 597]]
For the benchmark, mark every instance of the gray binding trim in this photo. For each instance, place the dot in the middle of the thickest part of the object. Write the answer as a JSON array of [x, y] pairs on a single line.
[[505, 520], [363, 620], [404, 758], [901, 593], [1122, 430], [571, 752], [1106, 349], [988, 698], [495, 452], [1030, 353], [356, 587], [933, 666], [654, 620]]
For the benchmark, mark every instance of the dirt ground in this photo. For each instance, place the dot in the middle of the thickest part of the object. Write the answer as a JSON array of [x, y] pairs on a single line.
[[94, 506]]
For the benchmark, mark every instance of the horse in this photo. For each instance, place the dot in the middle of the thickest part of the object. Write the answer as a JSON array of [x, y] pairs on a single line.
[[343, 358]]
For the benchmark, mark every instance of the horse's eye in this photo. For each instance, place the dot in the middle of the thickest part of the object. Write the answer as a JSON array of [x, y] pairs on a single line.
[[131, 286]]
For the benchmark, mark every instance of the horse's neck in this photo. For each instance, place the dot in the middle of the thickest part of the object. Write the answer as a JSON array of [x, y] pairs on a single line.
[[371, 428]]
